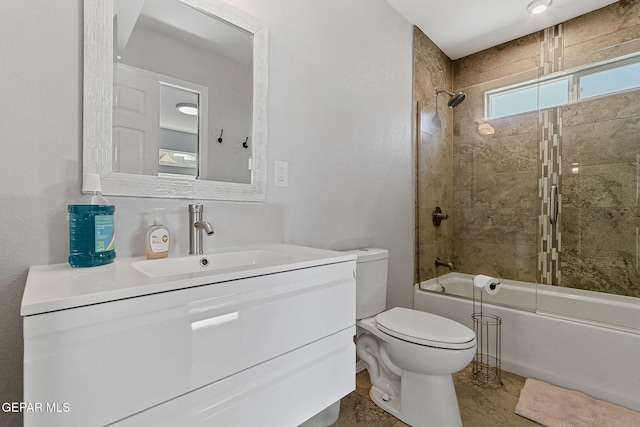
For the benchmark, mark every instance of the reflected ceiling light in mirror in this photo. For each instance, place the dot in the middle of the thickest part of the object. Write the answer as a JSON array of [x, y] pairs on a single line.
[[538, 6], [187, 108]]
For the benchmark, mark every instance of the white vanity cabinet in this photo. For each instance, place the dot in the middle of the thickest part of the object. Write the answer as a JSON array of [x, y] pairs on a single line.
[[253, 346]]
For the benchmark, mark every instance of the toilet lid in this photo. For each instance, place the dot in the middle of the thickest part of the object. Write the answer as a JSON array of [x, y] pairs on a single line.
[[425, 328]]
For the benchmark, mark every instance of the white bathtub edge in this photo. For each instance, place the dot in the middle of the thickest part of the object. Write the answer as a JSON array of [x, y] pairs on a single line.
[[598, 361]]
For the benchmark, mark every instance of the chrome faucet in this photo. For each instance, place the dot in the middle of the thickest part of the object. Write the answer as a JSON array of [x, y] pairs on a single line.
[[448, 264], [197, 228]]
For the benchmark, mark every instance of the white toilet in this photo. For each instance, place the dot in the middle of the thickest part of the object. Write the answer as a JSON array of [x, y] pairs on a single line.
[[410, 354]]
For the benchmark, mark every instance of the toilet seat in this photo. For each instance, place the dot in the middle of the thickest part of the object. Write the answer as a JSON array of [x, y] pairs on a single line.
[[426, 329]]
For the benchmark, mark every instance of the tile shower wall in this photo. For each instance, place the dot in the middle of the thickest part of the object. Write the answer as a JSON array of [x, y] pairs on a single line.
[[495, 189], [434, 183], [498, 196], [431, 71], [601, 215], [503, 168]]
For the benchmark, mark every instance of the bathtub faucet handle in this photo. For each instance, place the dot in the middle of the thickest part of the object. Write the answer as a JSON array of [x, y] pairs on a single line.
[[437, 216]]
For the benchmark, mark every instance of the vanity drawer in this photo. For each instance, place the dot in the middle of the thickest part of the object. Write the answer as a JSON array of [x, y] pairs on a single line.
[[109, 361], [278, 393]]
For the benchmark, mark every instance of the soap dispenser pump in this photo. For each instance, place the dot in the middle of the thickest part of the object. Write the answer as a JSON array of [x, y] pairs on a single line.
[[158, 239]]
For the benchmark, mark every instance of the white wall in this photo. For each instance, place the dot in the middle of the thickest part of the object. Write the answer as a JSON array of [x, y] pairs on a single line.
[[230, 95], [340, 82], [339, 113]]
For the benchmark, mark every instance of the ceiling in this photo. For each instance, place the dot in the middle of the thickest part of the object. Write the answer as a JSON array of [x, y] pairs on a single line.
[[462, 27], [182, 22]]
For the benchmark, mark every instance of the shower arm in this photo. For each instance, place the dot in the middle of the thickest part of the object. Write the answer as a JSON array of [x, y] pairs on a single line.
[[455, 99], [439, 91]]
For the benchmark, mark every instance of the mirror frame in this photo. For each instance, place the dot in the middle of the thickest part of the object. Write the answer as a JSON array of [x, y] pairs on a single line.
[[98, 112]]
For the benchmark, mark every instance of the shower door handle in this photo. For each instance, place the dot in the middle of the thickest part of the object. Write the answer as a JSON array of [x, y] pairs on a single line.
[[553, 205]]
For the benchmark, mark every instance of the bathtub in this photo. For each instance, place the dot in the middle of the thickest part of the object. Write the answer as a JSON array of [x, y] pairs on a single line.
[[581, 340]]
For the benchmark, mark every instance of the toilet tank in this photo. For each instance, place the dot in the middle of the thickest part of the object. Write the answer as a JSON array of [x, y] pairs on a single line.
[[371, 281]]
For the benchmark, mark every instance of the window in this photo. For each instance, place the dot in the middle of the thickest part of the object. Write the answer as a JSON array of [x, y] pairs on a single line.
[[596, 80], [609, 80], [525, 98]]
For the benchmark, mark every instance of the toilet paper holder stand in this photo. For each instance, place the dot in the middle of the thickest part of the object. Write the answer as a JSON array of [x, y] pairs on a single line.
[[487, 363]]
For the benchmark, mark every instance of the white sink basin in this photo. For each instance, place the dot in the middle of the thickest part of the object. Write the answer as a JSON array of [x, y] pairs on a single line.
[[60, 287], [209, 263]]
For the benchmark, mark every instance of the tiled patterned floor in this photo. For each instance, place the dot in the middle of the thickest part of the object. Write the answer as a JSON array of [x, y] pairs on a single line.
[[479, 407]]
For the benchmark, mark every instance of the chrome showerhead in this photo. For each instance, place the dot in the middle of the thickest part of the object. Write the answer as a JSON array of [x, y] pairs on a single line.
[[455, 98]]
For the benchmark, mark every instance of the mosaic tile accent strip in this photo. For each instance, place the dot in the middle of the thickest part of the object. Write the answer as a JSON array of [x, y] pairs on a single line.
[[551, 49], [550, 174], [551, 56]]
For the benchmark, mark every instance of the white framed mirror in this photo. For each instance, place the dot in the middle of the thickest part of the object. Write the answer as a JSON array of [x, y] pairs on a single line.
[[130, 168]]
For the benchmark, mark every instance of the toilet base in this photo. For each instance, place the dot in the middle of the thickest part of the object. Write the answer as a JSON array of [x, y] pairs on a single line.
[[425, 401]]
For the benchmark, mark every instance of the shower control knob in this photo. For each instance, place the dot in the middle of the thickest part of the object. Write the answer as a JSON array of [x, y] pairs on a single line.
[[437, 216]]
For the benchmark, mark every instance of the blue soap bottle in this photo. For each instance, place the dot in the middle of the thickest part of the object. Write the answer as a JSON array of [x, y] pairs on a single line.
[[91, 226]]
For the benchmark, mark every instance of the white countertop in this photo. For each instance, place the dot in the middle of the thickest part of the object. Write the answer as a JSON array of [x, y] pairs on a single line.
[[59, 286]]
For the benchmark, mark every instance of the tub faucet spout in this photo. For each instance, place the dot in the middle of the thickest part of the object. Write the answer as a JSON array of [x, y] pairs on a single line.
[[442, 263], [197, 228]]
